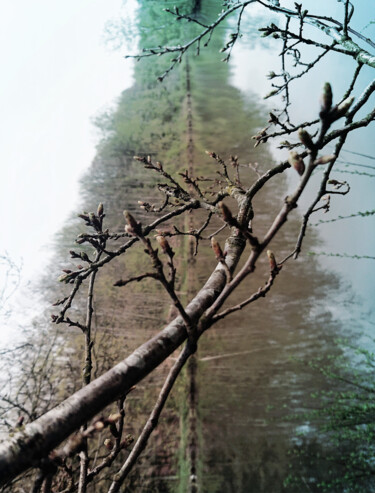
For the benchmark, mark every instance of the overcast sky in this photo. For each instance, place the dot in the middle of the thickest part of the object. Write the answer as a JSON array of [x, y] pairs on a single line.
[[56, 74]]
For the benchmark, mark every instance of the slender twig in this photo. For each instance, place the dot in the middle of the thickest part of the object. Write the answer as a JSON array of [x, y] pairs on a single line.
[[261, 293], [152, 420]]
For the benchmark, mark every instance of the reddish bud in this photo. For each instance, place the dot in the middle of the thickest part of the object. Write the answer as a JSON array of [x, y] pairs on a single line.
[[133, 227], [225, 211], [272, 260], [296, 161], [217, 249]]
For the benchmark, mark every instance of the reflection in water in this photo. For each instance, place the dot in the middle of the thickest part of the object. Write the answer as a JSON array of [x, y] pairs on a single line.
[[253, 367], [248, 375]]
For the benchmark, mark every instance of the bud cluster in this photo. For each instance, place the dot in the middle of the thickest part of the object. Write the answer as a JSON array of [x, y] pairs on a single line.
[[94, 220]]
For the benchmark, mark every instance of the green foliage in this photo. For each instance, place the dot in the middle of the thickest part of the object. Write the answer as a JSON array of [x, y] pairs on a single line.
[[336, 452]]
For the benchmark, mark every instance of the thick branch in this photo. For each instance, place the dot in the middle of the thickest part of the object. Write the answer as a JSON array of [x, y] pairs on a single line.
[[152, 420], [39, 438]]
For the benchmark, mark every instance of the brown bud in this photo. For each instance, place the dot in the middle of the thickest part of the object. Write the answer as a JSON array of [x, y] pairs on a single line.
[[296, 161], [325, 159], [326, 99], [85, 257], [227, 215], [133, 227], [99, 425], [343, 108], [163, 242], [100, 209], [272, 260], [273, 118], [108, 444], [20, 421], [305, 138], [217, 249], [113, 418]]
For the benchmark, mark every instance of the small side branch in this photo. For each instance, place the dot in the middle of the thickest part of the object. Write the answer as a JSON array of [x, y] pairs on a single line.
[[152, 420], [261, 293]]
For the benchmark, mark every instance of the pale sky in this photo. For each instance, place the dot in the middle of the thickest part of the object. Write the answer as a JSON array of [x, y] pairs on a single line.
[[56, 75]]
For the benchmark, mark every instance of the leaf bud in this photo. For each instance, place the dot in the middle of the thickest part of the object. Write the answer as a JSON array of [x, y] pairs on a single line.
[[113, 418], [271, 75], [270, 94], [326, 99], [85, 257], [133, 227], [99, 425], [296, 161], [305, 138], [325, 159], [163, 242], [217, 249], [63, 278], [343, 108], [272, 260], [273, 118], [84, 216], [108, 444], [225, 211], [100, 209]]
